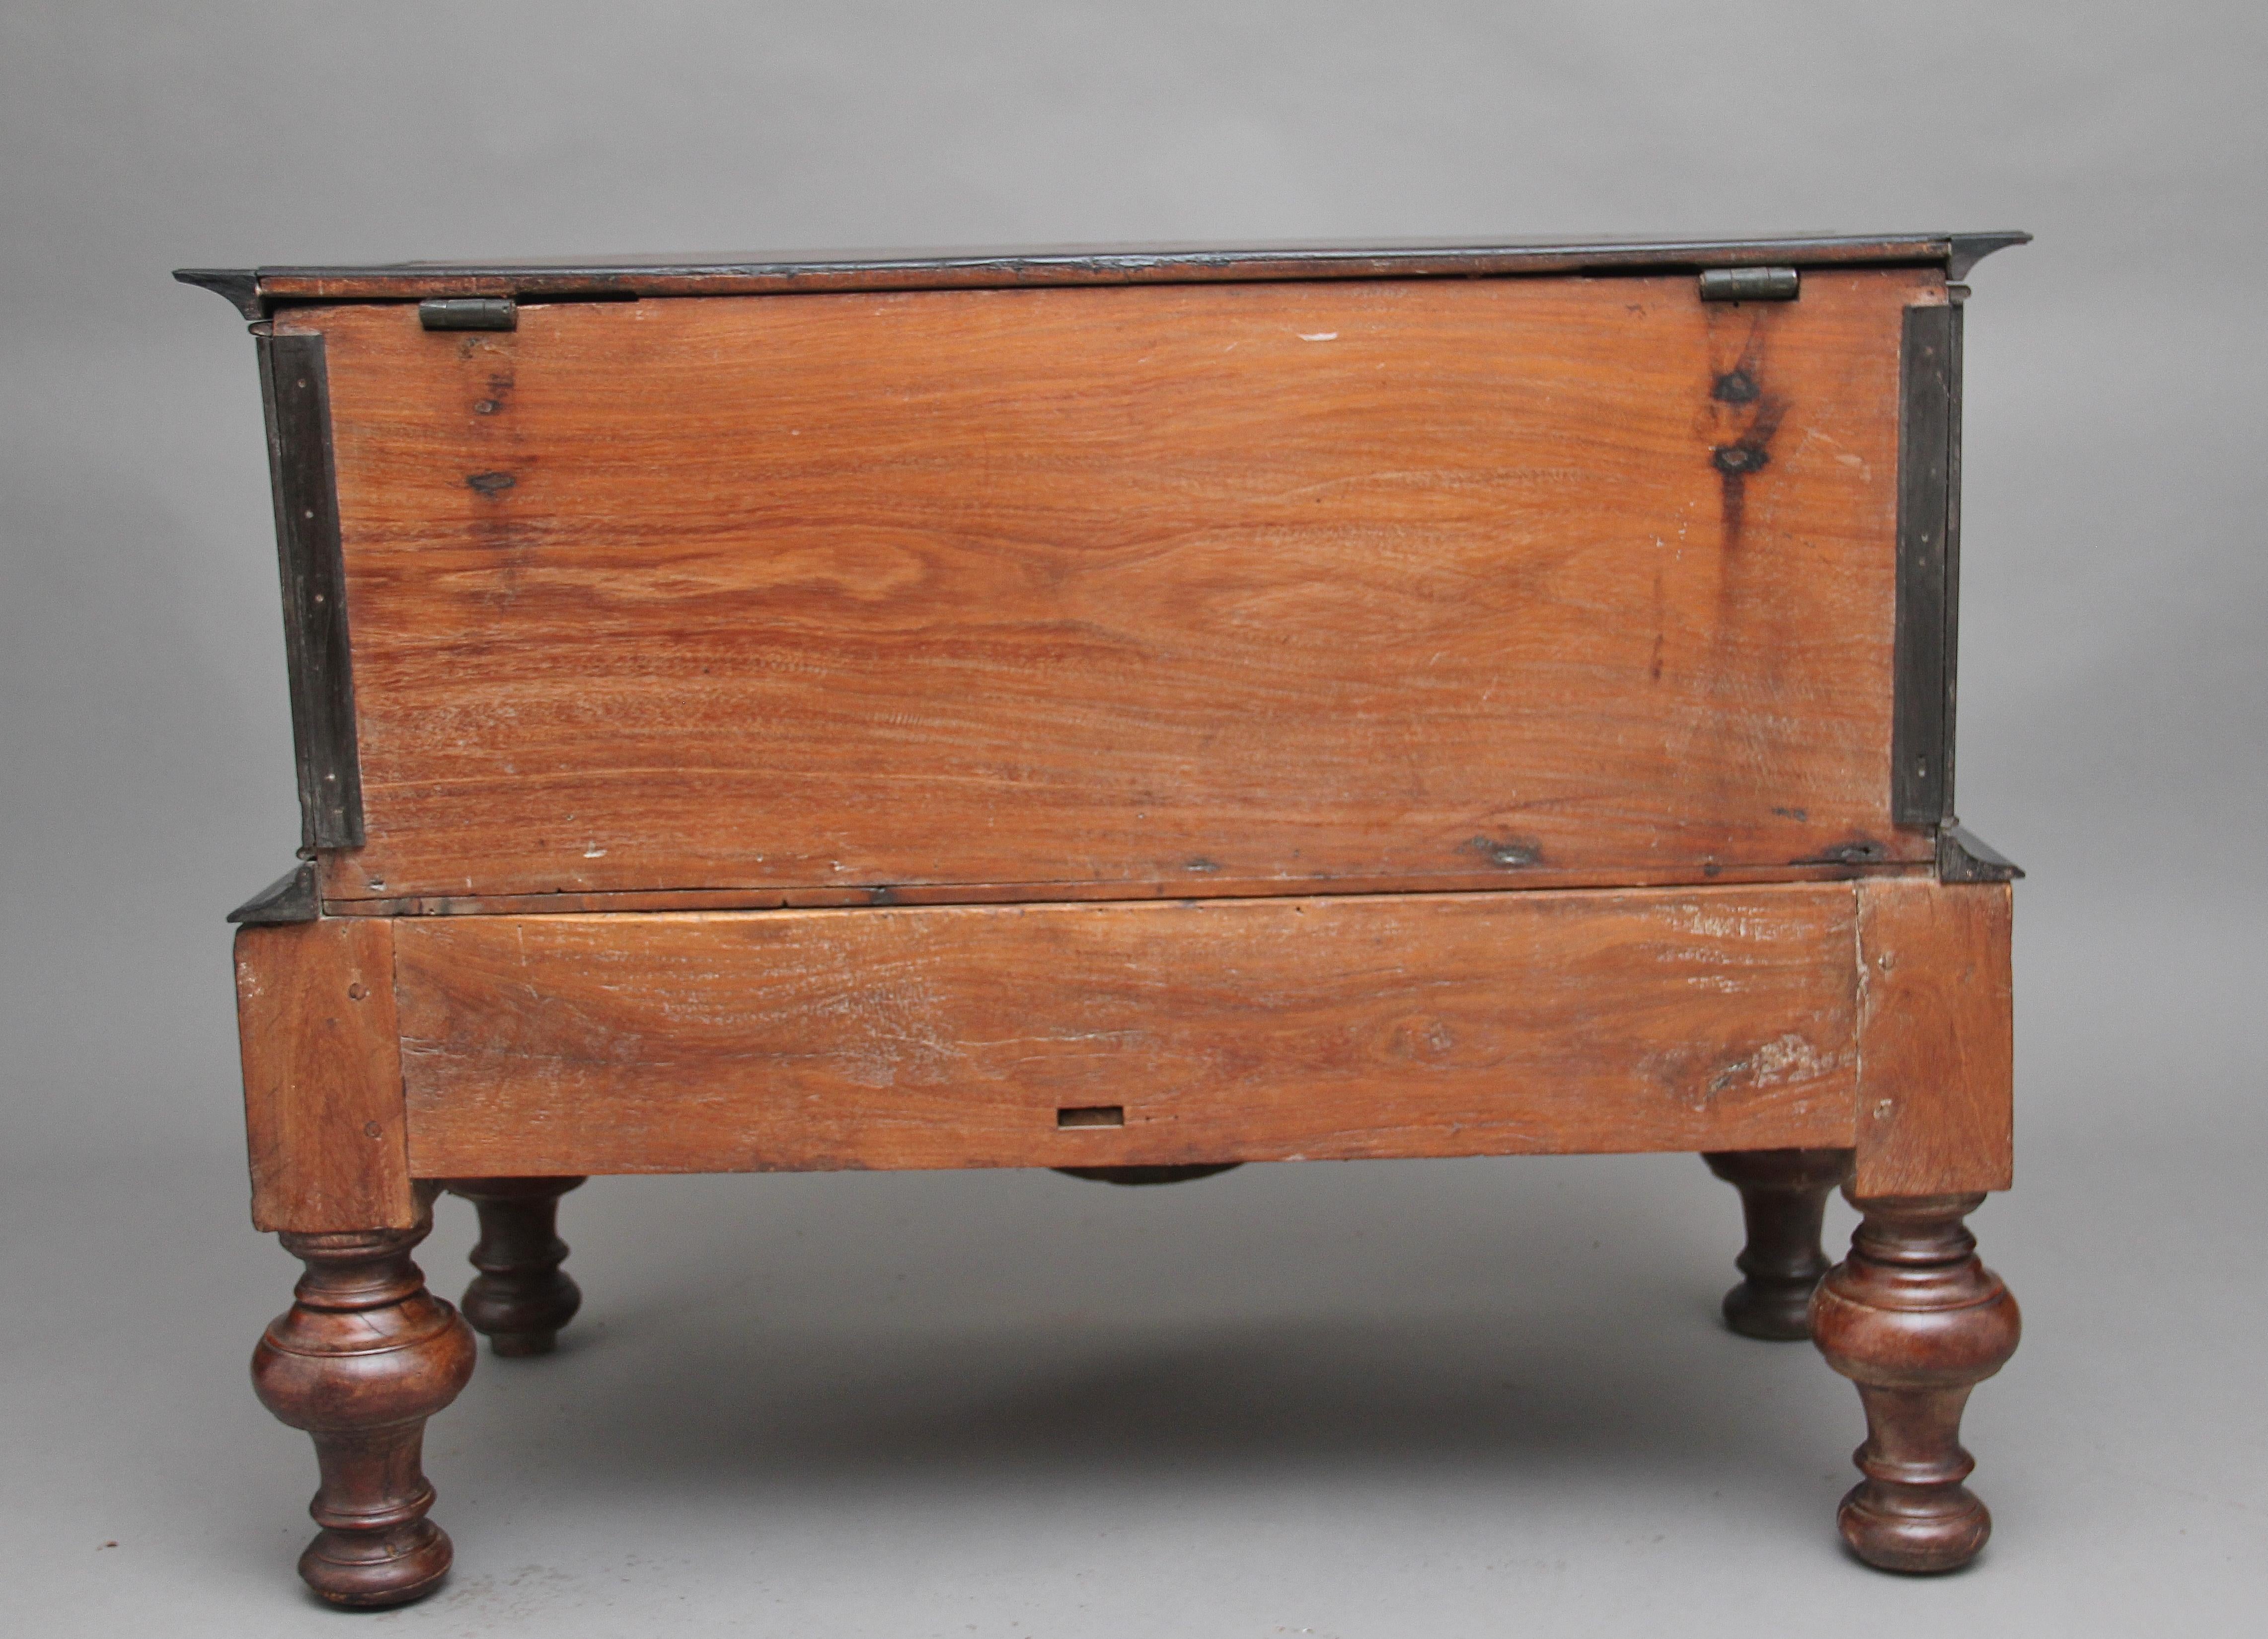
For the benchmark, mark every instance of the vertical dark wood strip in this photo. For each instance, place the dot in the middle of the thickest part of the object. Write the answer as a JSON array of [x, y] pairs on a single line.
[[1957, 327], [297, 394], [1921, 770]]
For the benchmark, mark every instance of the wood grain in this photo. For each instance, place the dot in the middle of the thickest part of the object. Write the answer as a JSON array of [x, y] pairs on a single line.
[[1030, 893], [361, 1359], [323, 1077], [1915, 1320], [521, 1298], [1936, 1039], [1279, 584], [1784, 1202], [1223, 1030]]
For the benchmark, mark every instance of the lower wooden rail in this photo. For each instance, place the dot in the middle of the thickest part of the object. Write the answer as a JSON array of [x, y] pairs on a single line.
[[1794, 1015]]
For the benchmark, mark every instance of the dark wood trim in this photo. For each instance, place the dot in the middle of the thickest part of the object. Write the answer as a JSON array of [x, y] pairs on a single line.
[[1964, 857], [1921, 726], [296, 392], [290, 897], [1969, 249], [603, 277], [238, 287], [1956, 294]]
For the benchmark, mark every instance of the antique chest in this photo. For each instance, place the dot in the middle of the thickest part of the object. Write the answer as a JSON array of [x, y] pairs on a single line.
[[1128, 712]]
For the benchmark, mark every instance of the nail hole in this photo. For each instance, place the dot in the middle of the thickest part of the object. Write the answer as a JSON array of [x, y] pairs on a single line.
[[1091, 1115]]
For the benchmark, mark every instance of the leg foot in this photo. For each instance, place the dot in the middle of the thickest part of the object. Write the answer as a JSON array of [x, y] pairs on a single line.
[[521, 1297], [1916, 1321], [364, 1355], [1783, 1199]]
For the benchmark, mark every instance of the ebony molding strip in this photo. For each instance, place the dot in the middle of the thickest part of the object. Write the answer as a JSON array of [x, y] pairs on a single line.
[[1957, 323], [1921, 724], [257, 291], [238, 287], [296, 392]]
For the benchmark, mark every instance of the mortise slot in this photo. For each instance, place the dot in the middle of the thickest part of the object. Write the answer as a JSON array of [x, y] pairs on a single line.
[[1091, 1115]]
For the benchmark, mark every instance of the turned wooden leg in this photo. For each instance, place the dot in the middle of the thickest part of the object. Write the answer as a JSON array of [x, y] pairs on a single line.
[[1916, 1321], [364, 1355], [521, 1297], [1783, 1199]]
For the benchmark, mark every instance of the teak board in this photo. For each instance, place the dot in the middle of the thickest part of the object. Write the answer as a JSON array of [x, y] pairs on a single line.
[[1936, 1038], [321, 1052], [1871, 1015], [1220, 1030], [1280, 584]]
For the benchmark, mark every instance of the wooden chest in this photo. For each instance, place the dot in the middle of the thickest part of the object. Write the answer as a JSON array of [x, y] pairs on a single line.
[[1131, 712]]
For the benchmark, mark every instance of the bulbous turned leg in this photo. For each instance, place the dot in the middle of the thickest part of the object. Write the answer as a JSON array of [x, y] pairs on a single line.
[[521, 1297], [364, 1355], [1916, 1321], [1783, 1199]]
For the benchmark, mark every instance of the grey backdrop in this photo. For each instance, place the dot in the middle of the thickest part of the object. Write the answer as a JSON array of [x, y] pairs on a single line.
[[1401, 1398]]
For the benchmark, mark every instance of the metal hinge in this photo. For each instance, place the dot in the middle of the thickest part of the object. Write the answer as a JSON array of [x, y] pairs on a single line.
[[1750, 284], [470, 313]]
